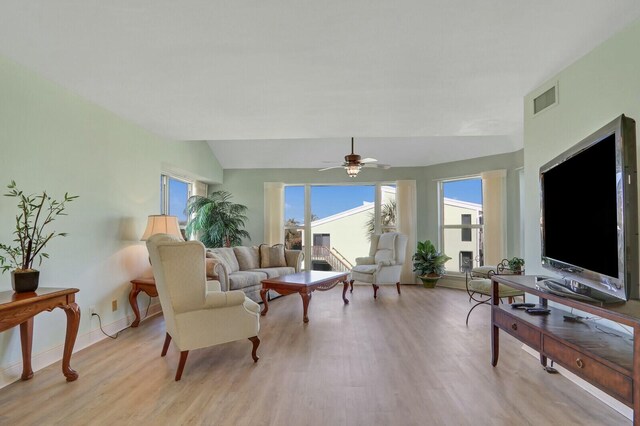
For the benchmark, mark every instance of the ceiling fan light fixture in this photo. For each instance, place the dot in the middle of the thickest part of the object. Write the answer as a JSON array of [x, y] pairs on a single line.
[[353, 169]]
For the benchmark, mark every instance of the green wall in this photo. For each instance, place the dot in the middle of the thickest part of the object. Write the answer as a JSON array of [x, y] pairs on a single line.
[[592, 91], [52, 139], [247, 188]]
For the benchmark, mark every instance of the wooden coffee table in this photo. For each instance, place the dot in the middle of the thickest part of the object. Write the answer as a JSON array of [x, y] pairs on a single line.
[[304, 283]]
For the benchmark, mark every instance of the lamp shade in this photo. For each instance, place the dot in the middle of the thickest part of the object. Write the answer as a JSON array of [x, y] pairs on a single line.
[[161, 224]]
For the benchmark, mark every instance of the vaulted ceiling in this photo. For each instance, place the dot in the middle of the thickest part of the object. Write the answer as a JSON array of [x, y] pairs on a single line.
[[439, 80]]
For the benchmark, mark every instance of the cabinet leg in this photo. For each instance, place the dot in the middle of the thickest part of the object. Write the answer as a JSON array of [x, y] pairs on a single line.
[[495, 345]]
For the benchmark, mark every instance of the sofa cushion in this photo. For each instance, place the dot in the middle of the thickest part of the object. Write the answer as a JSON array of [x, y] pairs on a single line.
[[277, 272], [247, 257], [272, 257], [226, 255], [365, 269], [241, 279]]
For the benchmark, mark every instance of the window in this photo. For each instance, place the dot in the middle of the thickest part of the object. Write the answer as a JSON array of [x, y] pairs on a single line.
[[341, 219], [465, 233], [466, 261], [173, 199], [461, 223]]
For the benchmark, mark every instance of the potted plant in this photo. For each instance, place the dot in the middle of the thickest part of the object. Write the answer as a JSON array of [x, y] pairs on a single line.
[[216, 220], [35, 212], [429, 262], [516, 265]]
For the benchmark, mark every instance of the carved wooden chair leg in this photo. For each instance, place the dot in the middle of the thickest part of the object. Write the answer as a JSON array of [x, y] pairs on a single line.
[[256, 343], [183, 361], [375, 291], [167, 340], [398, 286], [351, 285]]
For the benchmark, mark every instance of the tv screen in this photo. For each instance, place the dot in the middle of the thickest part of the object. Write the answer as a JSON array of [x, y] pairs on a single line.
[[580, 209], [589, 213]]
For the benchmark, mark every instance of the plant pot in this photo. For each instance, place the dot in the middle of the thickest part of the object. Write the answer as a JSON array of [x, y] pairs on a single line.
[[429, 281], [24, 282]]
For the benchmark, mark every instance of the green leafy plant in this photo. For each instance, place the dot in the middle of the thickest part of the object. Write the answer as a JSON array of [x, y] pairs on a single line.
[[215, 220], [35, 212], [428, 260], [516, 264]]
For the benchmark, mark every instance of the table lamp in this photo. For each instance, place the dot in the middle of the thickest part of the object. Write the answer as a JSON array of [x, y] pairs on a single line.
[[162, 224]]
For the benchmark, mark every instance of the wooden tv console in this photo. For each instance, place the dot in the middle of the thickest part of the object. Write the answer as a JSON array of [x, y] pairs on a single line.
[[605, 357]]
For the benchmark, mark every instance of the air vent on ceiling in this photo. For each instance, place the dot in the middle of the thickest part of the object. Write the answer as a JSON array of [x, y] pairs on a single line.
[[545, 100]]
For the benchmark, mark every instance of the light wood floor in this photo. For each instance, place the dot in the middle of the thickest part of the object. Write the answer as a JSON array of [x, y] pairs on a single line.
[[400, 360]]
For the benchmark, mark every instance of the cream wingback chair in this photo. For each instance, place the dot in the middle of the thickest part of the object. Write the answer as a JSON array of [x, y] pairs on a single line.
[[384, 263], [196, 313]]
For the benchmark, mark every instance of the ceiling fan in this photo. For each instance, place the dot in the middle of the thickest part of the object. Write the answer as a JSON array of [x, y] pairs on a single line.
[[353, 163]]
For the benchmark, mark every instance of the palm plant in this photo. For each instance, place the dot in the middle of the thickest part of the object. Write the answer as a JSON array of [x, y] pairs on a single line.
[[215, 220], [388, 215]]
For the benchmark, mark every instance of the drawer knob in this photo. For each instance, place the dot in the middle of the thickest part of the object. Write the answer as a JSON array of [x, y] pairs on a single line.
[[514, 326], [580, 363]]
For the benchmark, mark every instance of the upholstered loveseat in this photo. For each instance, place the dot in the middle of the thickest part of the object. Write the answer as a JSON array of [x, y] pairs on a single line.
[[242, 268]]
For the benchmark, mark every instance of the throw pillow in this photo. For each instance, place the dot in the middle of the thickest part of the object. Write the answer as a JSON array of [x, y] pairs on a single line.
[[227, 255], [272, 257], [248, 257]]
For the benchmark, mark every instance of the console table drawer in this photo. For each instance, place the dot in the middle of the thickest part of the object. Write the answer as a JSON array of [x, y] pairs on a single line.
[[519, 329], [609, 380]]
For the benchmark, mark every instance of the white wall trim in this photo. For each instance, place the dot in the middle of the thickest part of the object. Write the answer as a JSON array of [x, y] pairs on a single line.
[[43, 359], [602, 396]]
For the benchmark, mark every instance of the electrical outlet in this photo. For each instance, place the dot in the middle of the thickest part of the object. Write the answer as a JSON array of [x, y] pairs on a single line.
[[92, 310], [114, 305]]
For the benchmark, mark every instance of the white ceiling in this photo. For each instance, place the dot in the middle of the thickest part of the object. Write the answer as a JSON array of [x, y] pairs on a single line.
[[428, 75]]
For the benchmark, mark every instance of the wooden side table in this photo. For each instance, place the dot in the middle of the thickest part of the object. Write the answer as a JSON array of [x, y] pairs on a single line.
[[20, 308], [145, 284]]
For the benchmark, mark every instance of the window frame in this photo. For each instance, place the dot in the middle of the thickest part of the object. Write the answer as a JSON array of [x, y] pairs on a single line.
[[164, 192], [306, 226], [443, 227]]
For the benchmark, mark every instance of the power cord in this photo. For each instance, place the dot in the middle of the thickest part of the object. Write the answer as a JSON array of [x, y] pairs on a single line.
[[129, 326]]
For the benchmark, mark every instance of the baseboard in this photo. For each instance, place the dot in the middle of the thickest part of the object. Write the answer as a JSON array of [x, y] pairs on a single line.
[[41, 360], [452, 281], [602, 396]]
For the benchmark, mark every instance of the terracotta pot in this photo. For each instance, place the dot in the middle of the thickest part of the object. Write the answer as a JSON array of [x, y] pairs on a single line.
[[24, 282], [430, 280]]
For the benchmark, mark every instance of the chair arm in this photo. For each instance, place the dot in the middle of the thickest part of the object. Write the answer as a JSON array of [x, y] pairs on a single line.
[[294, 258], [221, 299], [369, 260], [213, 285], [215, 269]]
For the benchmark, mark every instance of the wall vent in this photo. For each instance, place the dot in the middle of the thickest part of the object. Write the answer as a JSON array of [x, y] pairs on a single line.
[[545, 100]]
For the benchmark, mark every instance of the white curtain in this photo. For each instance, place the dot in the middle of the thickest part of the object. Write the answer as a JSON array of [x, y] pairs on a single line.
[[273, 213], [200, 188], [494, 215], [406, 200]]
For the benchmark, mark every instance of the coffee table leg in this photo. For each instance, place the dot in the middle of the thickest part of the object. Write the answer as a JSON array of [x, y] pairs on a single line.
[[263, 295], [306, 298], [344, 292]]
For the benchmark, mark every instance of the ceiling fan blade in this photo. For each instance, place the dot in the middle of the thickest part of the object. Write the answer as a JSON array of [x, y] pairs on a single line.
[[368, 160], [329, 168], [377, 166]]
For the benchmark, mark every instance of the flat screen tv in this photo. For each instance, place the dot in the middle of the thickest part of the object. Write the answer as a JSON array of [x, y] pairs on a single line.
[[589, 215]]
